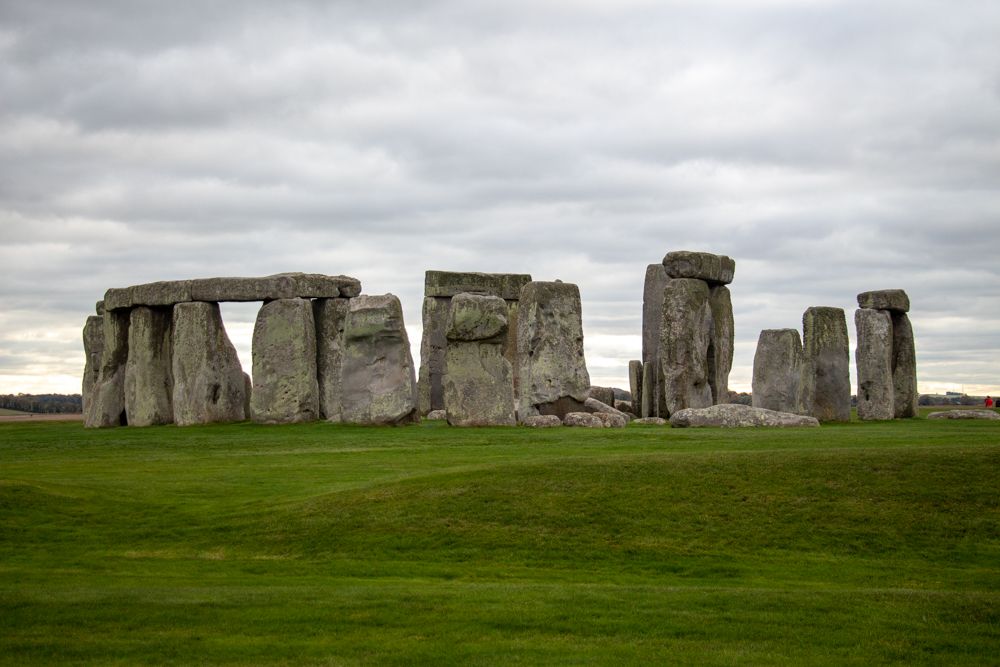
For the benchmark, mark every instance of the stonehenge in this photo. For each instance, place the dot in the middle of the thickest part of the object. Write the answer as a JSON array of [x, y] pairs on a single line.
[[285, 382], [779, 371], [885, 356]]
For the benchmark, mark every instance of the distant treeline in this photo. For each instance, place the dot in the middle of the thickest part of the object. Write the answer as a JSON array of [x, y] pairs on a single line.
[[43, 403]]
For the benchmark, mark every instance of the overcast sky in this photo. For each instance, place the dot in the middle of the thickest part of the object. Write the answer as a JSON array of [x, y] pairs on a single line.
[[829, 147]]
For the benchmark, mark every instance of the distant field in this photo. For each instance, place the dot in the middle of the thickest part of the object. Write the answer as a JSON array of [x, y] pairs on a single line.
[[851, 544], [7, 412]]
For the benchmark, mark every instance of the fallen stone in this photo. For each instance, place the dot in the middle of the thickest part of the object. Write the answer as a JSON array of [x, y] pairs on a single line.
[[330, 316], [874, 364], [595, 406], [635, 384], [731, 415], [778, 369], [449, 283], [888, 299], [684, 344], [904, 367], [93, 349], [965, 414], [541, 421], [582, 419], [721, 345], [149, 380], [626, 407], [435, 415], [611, 420], [285, 385], [713, 269], [650, 421], [605, 395], [827, 384], [106, 407]]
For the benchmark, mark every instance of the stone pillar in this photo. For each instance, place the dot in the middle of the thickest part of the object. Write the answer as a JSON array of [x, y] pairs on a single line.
[[652, 320], [874, 364], [433, 345], [209, 384], [720, 353], [779, 367], [894, 304], [330, 316], [478, 381], [285, 388], [149, 379], [93, 350], [635, 384], [685, 336], [827, 385], [904, 367], [106, 406]]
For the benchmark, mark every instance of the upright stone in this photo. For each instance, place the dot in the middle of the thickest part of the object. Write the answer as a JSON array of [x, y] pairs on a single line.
[[904, 367], [149, 377], [635, 384], [209, 384], [93, 349], [551, 367], [285, 388], [685, 337], [720, 353], [330, 316], [827, 385], [478, 382], [106, 406], [652, 319], [778, 370], [433, 345], [378, 381], [874, 364]]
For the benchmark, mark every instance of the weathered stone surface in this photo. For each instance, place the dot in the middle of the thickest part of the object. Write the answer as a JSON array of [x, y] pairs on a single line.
[[779, 366], [732, 415], [247, 393], [330, 316], [93, 350], [965, 414], [605, 395], [379, 386], [720, 353], [583, 419], [551, 364], [542, 421], [209, 385], [635, 384], [626, 407], [285, 385], [887, 299], [874, 364], [433, 345], [449, 283], [650, 401], [713, 269], [685, 335], [435, 415], [611, 420], [106, 406], [149, 379], [594, 405], [478, 382], [650, 421], [904, 367], [648, 406], [827, 384], [99, 308]]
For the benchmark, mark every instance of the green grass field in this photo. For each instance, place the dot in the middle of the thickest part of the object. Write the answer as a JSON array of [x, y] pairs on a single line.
[[7, 412], [852, 544]]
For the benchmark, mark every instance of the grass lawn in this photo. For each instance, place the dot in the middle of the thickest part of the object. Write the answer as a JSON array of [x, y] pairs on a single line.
[[7, 412], [860, 543]]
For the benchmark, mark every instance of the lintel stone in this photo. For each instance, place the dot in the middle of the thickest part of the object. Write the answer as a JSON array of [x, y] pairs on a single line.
[[450, 283]]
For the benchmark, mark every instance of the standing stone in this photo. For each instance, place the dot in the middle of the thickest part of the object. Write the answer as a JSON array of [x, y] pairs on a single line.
[[685, 336], [827, 385], [778, 370], [285, 388], [552, 369], [378, 381], [433, 346], [330, 316], [720, 353], [904, 367], [209, 385], [93, 349], [478, 382], [635, 384], [874, 364], [149, 379], [106, 406], [652, 321]]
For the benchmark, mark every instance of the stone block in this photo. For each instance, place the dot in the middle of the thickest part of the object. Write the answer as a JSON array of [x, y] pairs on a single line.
[[330, 316], [106, 407], [149, 377], [713, 269], [827, 385], [449, 283], [895, 300], [874, 364], [285, 385], [685, 337], [904, 367], [779, 368]]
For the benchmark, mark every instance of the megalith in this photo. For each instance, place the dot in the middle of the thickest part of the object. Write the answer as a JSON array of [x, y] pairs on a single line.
[[285, 388], [553, 377], [827, 383], [93, 349], [685, 337], [652, 320], [149, 378], [874, 364], [478, 380], [209, 384], [720, 352], [904, 367], [893, 305], [378, 384], [779, 367], [635, 384], [106, 406], [330, 316]]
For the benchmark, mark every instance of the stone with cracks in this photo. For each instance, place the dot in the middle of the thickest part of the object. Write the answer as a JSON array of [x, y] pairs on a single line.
[[435, 415], [635, 384], [685, 335], [650, 402], [965, 414], [449, 283], [611, 420], [330, 316], [541, 421], [477, 318], [595, 406], [378, 380], [209, 385], [106, 406], [874, 364], [149, 376], [583, 419], [720, 354], [93, 349], [732, 415], [433, 345], [827, 384], [778, 371], [895, 300], [713, 269], [904, 367], [285, 386]]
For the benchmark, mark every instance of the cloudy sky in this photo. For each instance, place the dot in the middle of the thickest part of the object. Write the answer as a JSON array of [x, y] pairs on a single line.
[[830, 147]]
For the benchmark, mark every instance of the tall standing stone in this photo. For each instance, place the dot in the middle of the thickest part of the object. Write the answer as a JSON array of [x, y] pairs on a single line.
[[652, 321], [149, 378], [720, 354], [106, 406], [331, 317], [635, 384], [378, 381], [551, 367], [904, 367], [433, 346], [874, 364], [779, 367], [93, 350], [285, 388], [209, 384], [685, 337], [827, 385]]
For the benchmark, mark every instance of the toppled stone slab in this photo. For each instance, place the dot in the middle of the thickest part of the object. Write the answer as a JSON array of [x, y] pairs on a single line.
[[887, 299], [449, 283], [650, 421], [685, 338], [827, 385], [149, 380], [965, 414], [595, 406], [285, 386], [582, 419], [778, 369], [93, 350], [436, 415], [626, 407], [874, 364], [713, 269], [106, 407], [611, 420], [731, 415], [541, 421]]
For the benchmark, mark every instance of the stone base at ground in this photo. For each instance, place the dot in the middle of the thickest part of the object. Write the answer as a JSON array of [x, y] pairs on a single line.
[[584, 419], [650, 421], [541, 421], [737, 416]]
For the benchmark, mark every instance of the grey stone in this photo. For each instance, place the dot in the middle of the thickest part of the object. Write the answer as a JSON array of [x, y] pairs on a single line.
[[583, 419], [478, 318], [732, 415], [209, 385], [99, 308], [874, 364], [713, 269], [635, 384], [433, 345], [904, 367], [652, 318], [106, 406], [541, 421], [650, 421], [610, 420], [378, 380], [149, 379], [720, 353], [435, 415], [330, 316], [827, 384], [626, 407], [965, 414], [779, 367], [648, 405], [93, 350], [595, 406], [285, 385], [888, 299], [685, 335], [247, 393], [605, 395], [449, 283]]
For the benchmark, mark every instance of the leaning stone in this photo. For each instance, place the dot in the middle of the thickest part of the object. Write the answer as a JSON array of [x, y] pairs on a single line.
[[541, 421], [330, 316], [379, 384], [778, 371], [449, 283], [605, 395], [874, 364], [285, 386], [888, 299], [684, 344], [720, 354], [827, 384], [732, 415], [611, 420], [435, 415], [209, 385], [635, 384], [149, 379], [106, 406], [904, 367], [964, 414], [652, 318], [93, 349], [595, 406], [713, 269], [433, 345], [584, 419], [650, 421]]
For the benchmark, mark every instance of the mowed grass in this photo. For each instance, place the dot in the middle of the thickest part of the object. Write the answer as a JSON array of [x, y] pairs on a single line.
[[860, 543]]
